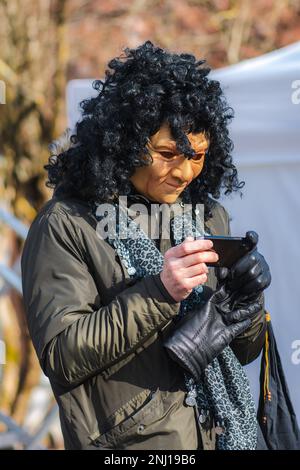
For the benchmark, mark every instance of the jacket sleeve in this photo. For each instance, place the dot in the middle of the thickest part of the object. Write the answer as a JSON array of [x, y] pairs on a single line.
[[249, 344], [73, 339]]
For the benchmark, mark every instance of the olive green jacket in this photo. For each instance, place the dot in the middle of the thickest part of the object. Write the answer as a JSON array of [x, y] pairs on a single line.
[[99, 336]]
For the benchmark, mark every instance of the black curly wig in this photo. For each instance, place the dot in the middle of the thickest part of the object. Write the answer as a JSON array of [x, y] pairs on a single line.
[[143, 88]]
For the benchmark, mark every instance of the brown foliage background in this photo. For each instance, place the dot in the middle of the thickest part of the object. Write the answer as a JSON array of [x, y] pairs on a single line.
[[45, 43]]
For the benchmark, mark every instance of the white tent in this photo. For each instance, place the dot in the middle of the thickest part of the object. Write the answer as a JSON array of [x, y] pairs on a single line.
[[265, 94]]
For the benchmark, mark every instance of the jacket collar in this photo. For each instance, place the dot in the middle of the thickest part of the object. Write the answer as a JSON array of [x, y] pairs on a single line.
[[135, 198]]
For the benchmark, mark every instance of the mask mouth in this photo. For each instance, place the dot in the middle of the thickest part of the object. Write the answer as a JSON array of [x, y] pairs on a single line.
[[177, 187]]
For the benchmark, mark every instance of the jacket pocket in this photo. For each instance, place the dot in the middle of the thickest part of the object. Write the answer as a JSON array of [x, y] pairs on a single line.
[[132, 428]]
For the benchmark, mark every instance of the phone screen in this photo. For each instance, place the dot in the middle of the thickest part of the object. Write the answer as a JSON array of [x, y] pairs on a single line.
[[229, 249]]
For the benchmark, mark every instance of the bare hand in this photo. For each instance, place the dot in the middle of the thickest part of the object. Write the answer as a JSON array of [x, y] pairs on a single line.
[[184, 266]]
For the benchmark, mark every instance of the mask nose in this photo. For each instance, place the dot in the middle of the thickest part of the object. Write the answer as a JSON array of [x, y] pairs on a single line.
[[183, 171]]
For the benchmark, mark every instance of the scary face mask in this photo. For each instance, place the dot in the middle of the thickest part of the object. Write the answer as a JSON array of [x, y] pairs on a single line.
[[170, 173]]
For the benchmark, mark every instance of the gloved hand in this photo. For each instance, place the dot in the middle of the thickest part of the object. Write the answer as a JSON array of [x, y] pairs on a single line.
[[202, 334], [249, 276]]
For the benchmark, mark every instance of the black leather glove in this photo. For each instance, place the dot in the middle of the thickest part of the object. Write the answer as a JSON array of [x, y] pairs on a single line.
[[249, 276], [202, 334]]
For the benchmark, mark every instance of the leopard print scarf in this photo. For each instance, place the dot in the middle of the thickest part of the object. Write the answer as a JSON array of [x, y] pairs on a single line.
[[224, 394]]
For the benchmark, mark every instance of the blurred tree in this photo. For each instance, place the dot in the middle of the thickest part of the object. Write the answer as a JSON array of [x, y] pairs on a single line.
[[222, 31], [33, 61], [44, 43]]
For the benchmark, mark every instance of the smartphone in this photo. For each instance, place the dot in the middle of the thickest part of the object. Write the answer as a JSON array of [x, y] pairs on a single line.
[[229, 249]]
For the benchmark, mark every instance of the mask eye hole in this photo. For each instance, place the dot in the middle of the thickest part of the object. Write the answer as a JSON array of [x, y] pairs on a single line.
[[198, 157], [168, 155]]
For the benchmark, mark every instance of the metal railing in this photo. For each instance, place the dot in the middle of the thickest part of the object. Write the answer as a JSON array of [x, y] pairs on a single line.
[[7, 273], [15, 435]]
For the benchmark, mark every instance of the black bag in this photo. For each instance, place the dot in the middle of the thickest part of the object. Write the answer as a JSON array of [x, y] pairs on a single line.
[[276, 415]]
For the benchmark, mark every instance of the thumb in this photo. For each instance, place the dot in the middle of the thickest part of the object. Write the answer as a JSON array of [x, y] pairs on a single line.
[[252, 238]]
